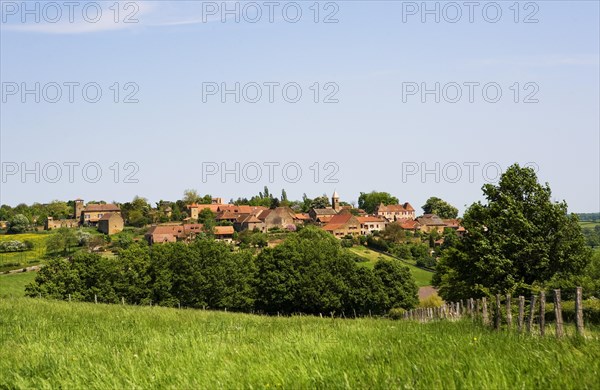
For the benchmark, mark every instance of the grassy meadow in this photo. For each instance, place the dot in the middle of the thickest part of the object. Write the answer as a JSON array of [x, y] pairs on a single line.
[[422, 277], [13, 285], [589, 224], [14, 260], [51, 344]]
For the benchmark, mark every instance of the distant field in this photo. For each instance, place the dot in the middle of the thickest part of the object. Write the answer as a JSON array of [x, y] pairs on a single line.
[[422, 277], [13, 285], [50, 344], [589, 224], [15, 260]]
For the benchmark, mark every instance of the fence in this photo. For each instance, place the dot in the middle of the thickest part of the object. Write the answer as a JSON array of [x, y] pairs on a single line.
[[494, 315]]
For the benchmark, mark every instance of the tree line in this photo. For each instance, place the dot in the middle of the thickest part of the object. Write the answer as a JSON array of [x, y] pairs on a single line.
[[308, 273]]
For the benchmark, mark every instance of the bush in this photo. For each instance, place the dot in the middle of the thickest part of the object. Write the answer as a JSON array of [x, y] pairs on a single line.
[[13, 246], [431, 301], [347, 242], [591, 311], [396, 313], [426, 262]]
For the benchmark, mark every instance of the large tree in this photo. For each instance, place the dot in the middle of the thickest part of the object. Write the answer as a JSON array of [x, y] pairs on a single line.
[[320, 202], [61, 241], [370, 201], [518, 240], [439, 207], [18, 224]]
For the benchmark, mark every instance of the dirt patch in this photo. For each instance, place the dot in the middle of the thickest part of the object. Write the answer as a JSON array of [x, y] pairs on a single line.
[[426, 291]]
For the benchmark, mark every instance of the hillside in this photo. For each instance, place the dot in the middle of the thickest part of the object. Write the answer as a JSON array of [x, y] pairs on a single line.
[[77, 345], [422, 277], [13, 285]]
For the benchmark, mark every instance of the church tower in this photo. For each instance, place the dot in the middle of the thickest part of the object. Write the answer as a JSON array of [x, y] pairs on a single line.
[[335, 201], [78, 206]]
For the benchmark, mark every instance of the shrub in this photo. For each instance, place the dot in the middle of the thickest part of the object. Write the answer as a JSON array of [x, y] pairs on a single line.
[[431, 301], [13, 246], [426, 262], [347, 242], [396, 313], [591, 311]]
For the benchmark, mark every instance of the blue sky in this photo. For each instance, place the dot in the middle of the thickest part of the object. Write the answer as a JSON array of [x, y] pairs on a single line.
[[371, 134]]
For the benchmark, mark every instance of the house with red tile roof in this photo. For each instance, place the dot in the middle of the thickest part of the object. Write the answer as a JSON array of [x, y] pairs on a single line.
[[249, 222], [395, 212], [279, 217], [224, 233], [92, 213], [431, 222], [172, 233], [409, 224], [371, 223], [343, 224]]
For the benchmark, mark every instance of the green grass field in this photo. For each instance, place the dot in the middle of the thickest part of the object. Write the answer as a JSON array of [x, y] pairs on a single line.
[[15, 260], [422, 277], [589, 224], [13, 285], [50, 344]]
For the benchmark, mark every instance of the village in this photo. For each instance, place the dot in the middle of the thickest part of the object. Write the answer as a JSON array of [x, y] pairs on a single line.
[[227, 220]]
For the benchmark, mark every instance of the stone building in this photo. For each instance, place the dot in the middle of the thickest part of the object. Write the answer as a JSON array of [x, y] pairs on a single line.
[[111, 223]]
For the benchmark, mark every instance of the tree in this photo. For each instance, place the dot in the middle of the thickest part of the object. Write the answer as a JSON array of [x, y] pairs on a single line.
[[320, 202], [18, 224], [370, 201], [398, 284], [61, 241], [440, 208], [6, 212], [137, 212], [274, 203], [518, 240], [208, 219], [59, 210], [190, 196]]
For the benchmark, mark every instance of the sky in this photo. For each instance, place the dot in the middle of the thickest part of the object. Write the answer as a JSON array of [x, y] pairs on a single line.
[[418, 99]]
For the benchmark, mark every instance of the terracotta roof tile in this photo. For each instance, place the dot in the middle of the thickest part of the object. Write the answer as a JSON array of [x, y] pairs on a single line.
[[101, 207], [223, 230]]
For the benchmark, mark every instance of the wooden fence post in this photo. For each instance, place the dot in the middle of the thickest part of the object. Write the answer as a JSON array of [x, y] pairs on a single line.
[[542, 313], [531, 314], [558, 314], [477, 305], [485, 311], [508, 312], [498, 319], [95, 298], [122, 300], [69, 297], [521, 313], [579, 311]]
